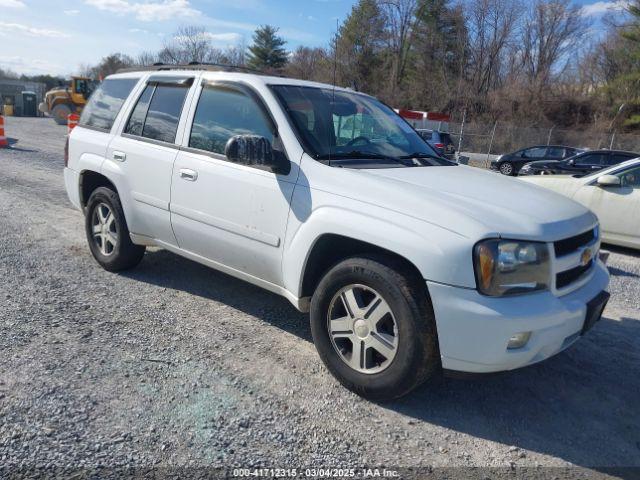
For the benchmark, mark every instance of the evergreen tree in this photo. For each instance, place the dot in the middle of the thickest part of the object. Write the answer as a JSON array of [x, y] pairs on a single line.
[[359, 47], [267, 51]]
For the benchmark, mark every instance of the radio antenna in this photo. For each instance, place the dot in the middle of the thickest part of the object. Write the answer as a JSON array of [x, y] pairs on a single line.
[[333, 93]]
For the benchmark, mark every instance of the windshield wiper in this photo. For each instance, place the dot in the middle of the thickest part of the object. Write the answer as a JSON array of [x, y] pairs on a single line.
[[360, 155], [421, 155]]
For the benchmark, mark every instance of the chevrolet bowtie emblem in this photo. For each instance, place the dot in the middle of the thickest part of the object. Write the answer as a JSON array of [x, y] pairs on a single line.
[[586, 256]]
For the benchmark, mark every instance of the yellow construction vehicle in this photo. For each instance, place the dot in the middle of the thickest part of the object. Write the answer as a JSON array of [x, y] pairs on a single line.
[[65, 99]]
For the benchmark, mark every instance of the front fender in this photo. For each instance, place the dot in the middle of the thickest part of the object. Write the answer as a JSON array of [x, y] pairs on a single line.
[[439, 254]]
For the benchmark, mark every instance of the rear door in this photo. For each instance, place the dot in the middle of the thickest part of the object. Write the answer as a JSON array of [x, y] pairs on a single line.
[[91, 139], [144, 153]]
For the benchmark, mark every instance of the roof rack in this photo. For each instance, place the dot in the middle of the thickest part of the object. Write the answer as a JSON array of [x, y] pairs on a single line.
[[211, 67]]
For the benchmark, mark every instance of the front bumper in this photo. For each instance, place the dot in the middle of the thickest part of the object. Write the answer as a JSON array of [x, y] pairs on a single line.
[[473, 329]]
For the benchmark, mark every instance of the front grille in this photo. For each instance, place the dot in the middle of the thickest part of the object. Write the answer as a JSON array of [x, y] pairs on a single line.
[[570, 245], [569, 276]]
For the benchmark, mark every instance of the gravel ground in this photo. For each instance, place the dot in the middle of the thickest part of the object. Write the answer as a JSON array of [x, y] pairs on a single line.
[[174, 365]]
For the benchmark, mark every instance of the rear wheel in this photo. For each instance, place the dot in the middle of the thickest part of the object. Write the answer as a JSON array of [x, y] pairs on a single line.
[[60, 113], [107, 232], [507, 168], [374, 328]]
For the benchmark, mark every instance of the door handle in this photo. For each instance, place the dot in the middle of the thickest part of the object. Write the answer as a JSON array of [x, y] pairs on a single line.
[[119, 156], [188, 174]]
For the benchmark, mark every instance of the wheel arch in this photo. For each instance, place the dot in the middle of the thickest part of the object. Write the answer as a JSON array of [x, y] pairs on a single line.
[[90, 180], [330, 249]]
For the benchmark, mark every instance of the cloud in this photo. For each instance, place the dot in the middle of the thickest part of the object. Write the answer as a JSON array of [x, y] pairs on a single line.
[[72, 13], [604, 7], [31, 31], [154, 11], [31, 65], [12, 4]]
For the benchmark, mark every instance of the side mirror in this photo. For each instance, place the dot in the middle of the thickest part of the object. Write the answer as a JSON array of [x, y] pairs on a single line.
[[571, 162], [257, 151], [608, 181]]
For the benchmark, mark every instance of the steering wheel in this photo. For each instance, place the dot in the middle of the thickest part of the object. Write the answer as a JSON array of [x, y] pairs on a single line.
[[357, 139]]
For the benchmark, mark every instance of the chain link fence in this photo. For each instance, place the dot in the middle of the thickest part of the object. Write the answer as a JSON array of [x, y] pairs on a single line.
[[481, 142]]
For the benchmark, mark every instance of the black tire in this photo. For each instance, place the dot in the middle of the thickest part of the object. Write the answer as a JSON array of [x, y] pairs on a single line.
[[417, 356], [507, 168], [124, 254], [60, 113]]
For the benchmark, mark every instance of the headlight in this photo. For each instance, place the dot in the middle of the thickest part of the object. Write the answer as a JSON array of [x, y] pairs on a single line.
[[510, 267]]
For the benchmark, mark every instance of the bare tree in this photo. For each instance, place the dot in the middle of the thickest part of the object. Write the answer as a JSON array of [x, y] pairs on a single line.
[[491, 25], [189, 44], [551, 36], [309, 64], [400, 18]]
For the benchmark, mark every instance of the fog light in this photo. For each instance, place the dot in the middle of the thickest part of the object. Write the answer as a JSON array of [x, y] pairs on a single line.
[[519, 340]]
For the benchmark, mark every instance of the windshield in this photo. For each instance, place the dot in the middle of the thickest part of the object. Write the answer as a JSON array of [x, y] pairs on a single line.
[[335, 125]]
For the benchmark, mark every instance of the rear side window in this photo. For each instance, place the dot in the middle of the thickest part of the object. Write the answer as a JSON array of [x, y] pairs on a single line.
[[157, 113], [536, 152], [618, 158], [224, 112], [555, 152], [139, 115], [106, 102]]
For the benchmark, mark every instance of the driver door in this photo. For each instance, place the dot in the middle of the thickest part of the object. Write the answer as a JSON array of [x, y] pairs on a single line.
[[232, 214], [617, 207]]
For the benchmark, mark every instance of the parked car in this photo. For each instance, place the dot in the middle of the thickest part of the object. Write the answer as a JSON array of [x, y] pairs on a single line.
[[612, 194], [511, 163], [441, 142], [407, 262], [581, 164]]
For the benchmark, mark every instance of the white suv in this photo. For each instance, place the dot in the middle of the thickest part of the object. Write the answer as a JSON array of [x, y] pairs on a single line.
[[408, 263]]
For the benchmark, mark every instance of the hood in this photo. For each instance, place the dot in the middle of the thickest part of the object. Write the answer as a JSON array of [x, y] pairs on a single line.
[[473, 202]]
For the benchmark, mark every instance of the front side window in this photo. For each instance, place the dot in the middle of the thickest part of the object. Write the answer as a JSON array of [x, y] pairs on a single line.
[[590, 159], [106, 102], [630, 177], [348, 125], [223, 112]]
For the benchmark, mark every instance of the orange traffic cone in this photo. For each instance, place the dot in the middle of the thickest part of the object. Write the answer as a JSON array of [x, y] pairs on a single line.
[[72, 122], [4, 143]]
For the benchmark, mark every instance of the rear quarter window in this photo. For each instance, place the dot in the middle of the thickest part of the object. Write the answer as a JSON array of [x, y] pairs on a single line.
[[106, 102]]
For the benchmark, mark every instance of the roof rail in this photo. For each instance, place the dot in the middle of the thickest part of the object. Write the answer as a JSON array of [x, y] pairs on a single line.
[[212, 67]]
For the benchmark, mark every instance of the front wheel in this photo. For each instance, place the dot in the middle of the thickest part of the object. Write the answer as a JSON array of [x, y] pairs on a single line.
[[507, 168], [374, 328], [60, 113], [108, 234]]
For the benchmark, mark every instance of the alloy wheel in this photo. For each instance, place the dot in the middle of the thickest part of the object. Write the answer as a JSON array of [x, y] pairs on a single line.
[[104, 229], [506, 168], [363, 329]]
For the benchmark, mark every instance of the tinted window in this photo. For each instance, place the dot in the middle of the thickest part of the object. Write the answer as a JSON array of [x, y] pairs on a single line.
[[349, 125], [591, 159], [630, 177], [618, 158], [105, 103], [164, 113], [139, 115], [224, 112], [555, 152], [537, 152]]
